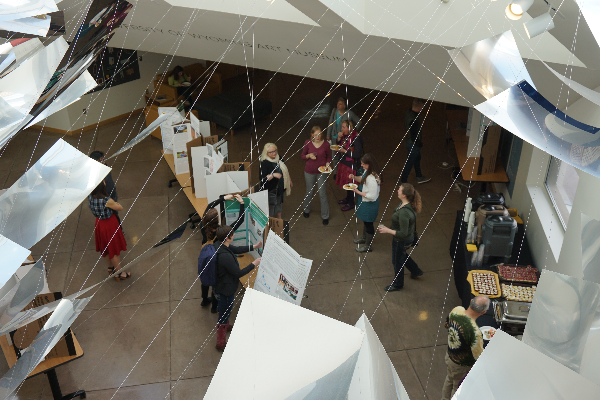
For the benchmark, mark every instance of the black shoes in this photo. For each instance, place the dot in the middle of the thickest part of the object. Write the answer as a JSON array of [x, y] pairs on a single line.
[[205, 302], [306, 215], [326, 221], [392, 288], [415, 276]]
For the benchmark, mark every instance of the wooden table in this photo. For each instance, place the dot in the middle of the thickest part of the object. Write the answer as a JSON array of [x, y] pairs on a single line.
[[469, 164], [47, 367]]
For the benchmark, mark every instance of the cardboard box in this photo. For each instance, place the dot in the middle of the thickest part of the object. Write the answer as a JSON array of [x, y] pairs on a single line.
[[489, 150], [22, 337], [280, 227]]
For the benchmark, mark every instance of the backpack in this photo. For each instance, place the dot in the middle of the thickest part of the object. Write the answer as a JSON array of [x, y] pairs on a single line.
[[207, 263]]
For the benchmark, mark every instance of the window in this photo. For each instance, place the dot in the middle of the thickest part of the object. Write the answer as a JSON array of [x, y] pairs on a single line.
[[561, 182]]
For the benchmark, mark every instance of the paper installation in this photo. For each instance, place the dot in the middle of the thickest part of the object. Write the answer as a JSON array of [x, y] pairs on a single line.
[[56, 326], [510, 369], [280, 351], [20, 294], [142, 135], [26, 8], [47, 193], [527, 114], [590, 248], [491, 65], [564, 323], [13, 256], [282, 273], [591, 12], [586, 92]]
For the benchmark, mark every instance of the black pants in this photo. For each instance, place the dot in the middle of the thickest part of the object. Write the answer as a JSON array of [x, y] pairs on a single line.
[[413, 160], [349, 197], [213, 299], [369, 228], [400, 259]]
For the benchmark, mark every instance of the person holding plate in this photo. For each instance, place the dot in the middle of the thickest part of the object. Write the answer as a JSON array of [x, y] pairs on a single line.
[[338, 115], [351, 148], [403, 228], [316, 153], [367, 204]]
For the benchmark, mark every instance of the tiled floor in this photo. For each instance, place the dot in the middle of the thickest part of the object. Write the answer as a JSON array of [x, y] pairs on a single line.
[[140, 336]]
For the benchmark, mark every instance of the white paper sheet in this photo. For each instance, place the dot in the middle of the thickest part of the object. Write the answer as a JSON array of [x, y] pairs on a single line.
[[195, 126], [181, 136], [282, 273], [10, 10], [13, 256], [218, 184], [31, 25], [240, 178], [277, 348], [197, 154]]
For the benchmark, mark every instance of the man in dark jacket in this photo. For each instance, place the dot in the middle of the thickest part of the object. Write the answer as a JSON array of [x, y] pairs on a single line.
[[228, 273], [412, 125]]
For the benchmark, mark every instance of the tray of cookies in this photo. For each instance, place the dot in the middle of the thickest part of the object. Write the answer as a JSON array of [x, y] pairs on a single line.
[[517, 273], [484, 282], [518, 292]]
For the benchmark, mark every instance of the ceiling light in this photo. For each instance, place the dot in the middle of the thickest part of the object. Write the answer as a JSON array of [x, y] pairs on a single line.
[[539, 25], [516, 9]]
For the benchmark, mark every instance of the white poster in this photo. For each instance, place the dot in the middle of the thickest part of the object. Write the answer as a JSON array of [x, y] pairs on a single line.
[[181, 135], [222, 148], [166, 128], [195, 125], [204, 127], [212, 161], [282, 272], [197, 154]]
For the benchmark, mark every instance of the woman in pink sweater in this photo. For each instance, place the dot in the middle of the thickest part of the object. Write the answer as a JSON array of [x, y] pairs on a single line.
[[317, 154]]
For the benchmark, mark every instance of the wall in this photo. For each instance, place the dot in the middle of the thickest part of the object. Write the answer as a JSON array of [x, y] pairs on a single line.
[[554, 247], [116, 101]]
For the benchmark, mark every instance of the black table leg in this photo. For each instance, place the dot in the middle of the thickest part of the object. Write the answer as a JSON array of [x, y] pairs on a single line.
[[55, 387], [171, 182]]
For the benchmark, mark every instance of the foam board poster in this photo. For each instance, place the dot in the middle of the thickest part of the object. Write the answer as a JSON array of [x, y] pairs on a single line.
[[261, 199], [197, 154], [166, 128], [181, 136], [282, 273], [253, 229], [218, 184], [195, 126]]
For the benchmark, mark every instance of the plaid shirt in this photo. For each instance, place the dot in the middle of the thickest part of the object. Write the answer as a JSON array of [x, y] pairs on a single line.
[[98, 207]]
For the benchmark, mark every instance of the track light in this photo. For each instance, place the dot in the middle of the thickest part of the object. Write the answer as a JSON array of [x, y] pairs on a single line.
[[539, 25], [516, 8]]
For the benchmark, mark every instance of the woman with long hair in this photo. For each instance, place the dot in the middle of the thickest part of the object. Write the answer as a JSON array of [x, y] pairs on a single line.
[[209, 225], [178, 79], [338, 115], [109, 238], [351, 149], [403, 228], [317, 154], [367, 205], [274, 177]]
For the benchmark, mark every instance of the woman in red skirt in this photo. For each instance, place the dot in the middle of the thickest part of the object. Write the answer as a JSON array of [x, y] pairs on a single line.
[[109, 236], [351, 148]]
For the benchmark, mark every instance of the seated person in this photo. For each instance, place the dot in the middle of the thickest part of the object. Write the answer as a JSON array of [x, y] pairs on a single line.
[[178, 80]]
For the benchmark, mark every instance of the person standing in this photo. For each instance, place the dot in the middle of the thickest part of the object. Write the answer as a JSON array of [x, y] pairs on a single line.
[[274, 177], [108, 234], [367, 205], [403, 228], [465, 342], [351, 148], [317, 154], [413, 127], [209, 225], [228, 273], [339, 115]]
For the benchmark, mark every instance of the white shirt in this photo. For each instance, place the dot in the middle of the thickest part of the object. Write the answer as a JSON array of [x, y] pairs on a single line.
[[370, 189]]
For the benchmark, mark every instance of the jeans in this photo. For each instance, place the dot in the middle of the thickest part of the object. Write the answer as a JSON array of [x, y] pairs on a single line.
[[413, 160], [400, 258], [224, 307], [319, 180]]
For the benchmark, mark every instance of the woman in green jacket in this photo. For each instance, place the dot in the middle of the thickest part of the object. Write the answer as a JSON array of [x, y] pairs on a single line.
[[403, 229]]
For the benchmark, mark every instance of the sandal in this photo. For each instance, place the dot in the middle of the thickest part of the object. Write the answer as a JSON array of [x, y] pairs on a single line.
[[120, 277], [111, 271]]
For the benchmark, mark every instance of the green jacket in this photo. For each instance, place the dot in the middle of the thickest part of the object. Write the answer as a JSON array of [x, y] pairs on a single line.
[[403, 222], [179, 80]]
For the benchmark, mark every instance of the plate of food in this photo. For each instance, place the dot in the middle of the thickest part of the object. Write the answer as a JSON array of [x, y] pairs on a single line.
[[334, 147], [186, 84], [488, 332], [325, 170], [350, 186]]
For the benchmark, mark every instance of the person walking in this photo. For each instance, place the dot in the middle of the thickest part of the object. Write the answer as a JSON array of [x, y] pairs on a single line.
[[274, 177], [228, 273], [465, 342], [367, 204], [209, 225], [413, 127], [338, 115], [351, 149], [403, 228], [108, 234], [317, 154]]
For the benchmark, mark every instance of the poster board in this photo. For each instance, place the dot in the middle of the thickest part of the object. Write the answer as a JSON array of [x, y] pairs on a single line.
[[195, 125], [181, 136], [218, 184], [237, 166], [252, 230], [166, 129], [223, 149], [282, 273], [189, 145], [261, 199]]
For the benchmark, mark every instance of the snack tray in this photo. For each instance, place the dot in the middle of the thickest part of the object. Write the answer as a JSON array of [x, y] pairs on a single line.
[[476, 293], [496, 268]]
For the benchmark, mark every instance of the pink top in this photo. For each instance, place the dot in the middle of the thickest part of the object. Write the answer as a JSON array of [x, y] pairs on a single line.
[[323, 154]]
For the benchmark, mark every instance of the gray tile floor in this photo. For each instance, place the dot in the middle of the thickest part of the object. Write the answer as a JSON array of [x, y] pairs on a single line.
[[141, 337]]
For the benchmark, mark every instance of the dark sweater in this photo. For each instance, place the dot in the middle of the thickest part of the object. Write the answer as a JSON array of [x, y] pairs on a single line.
[[274, 185], [413, 129], [228, 268], [355, 150], [403, 222]]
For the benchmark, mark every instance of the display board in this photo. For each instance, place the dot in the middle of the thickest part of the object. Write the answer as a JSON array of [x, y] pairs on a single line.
[[182, 134], [282, 273], [166, 128], [119, 65], [252, 230]]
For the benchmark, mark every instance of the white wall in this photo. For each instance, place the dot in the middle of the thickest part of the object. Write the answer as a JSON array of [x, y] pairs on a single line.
[[117, 100]]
